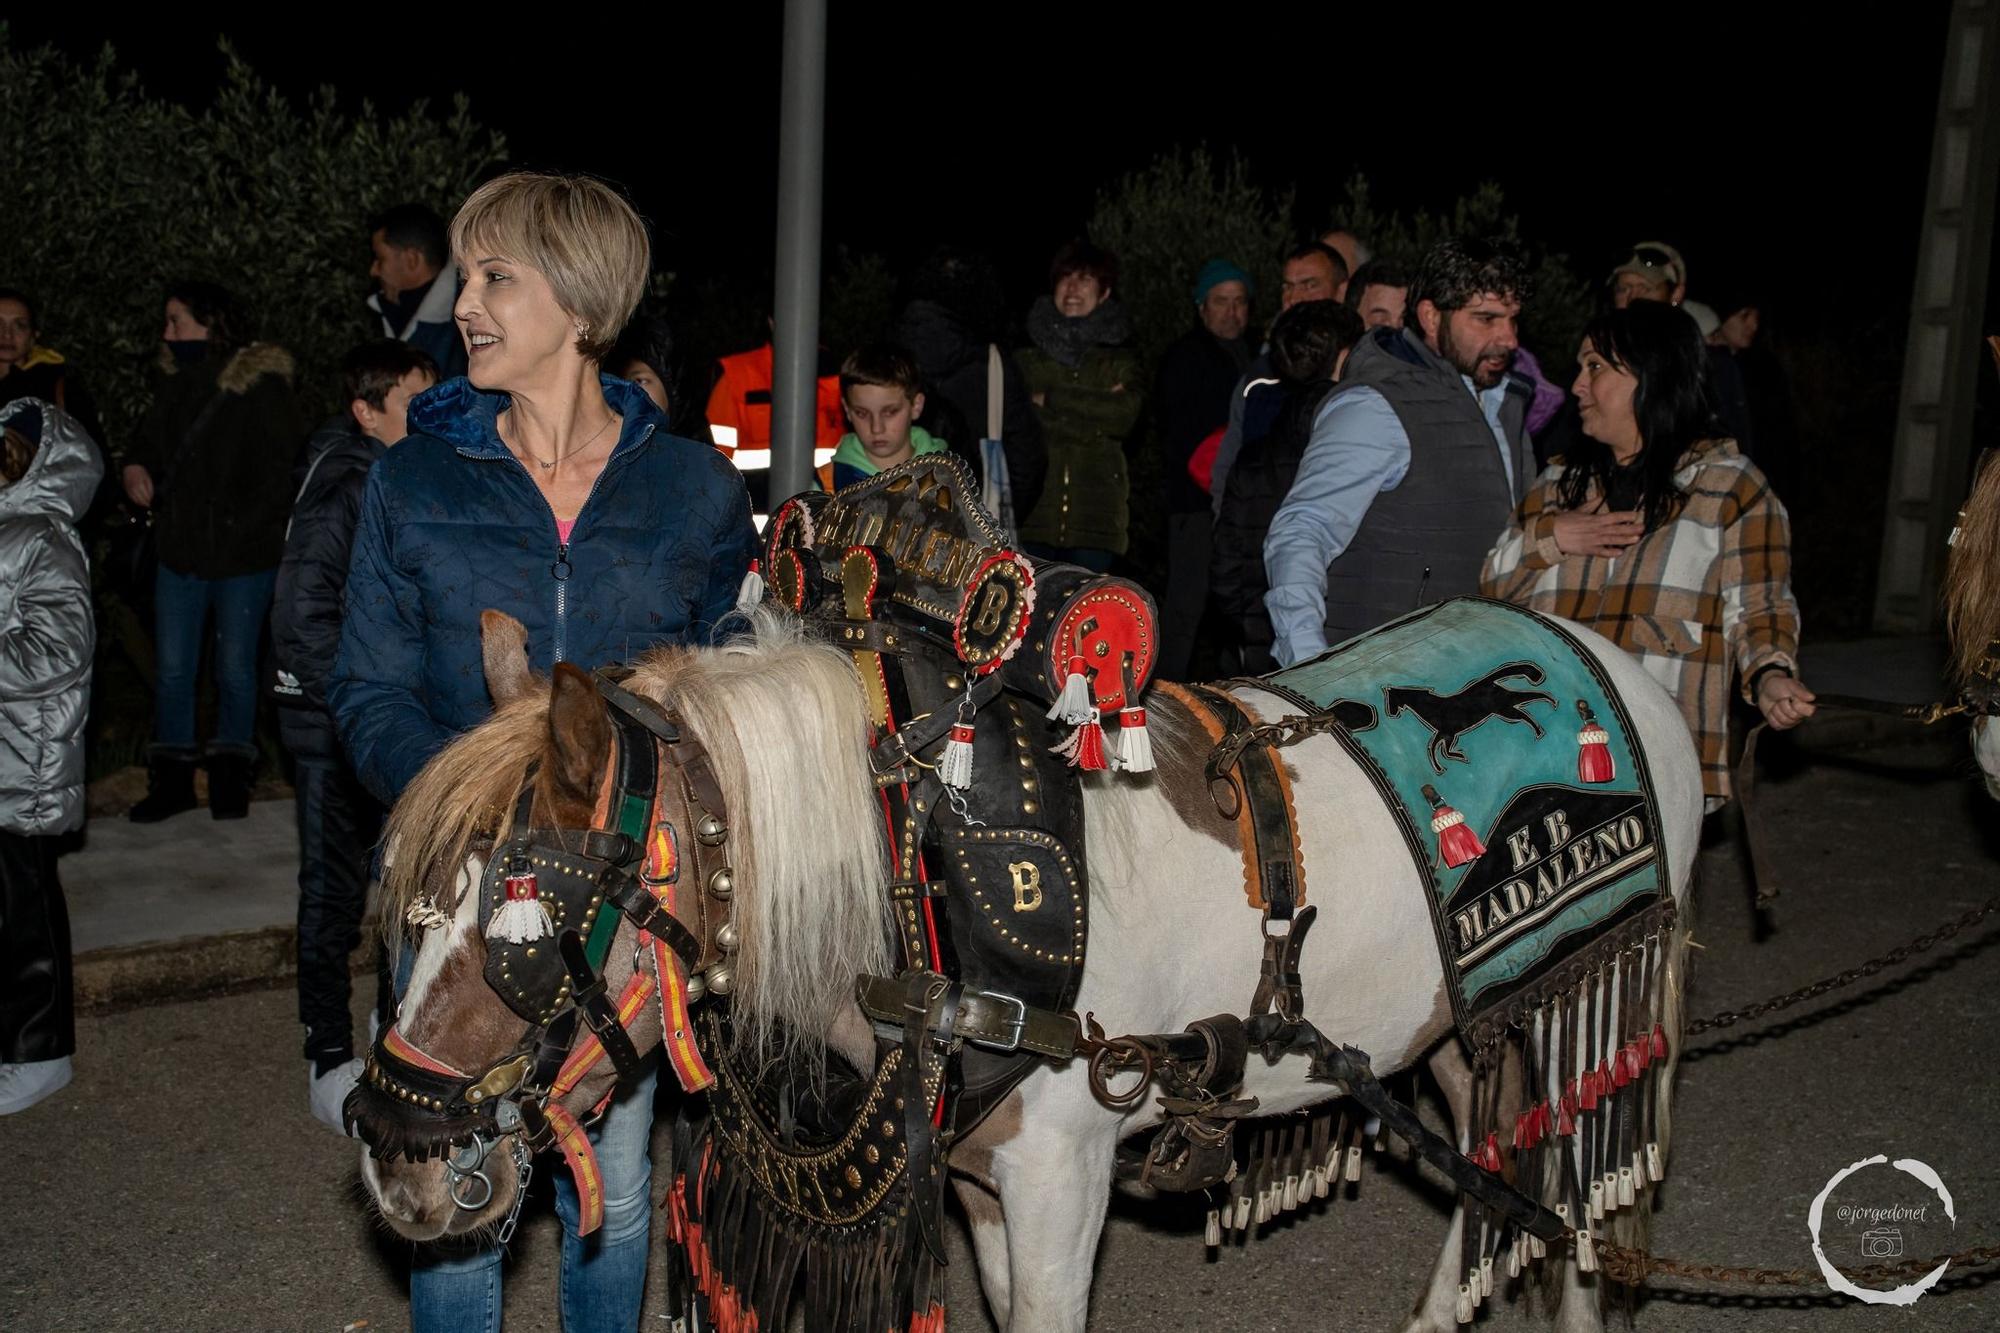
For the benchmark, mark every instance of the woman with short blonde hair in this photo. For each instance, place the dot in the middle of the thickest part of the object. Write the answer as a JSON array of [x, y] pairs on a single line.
[[538, 486]]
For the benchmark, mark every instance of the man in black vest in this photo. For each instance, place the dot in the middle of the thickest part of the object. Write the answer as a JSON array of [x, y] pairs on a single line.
[[1415, 464]]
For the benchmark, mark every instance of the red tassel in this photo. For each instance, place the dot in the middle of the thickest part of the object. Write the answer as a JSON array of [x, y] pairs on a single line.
[[1524, 1131], [1085, 747], [1620, 1071], [1566, 1122], [1489, 1157], [1457, 843], [1659, 1042], [1593, 749]]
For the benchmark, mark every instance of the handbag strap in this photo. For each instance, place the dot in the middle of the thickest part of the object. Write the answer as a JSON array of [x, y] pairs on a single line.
[[996, 384]]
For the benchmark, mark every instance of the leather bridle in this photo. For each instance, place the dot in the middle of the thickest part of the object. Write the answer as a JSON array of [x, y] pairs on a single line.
[[657, 853]]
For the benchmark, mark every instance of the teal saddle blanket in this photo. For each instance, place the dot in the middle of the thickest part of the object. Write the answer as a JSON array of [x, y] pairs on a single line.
[[1514, 772]]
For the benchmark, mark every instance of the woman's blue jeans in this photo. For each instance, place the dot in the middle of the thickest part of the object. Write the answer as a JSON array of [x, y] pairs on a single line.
[[182, 604], [603, 1274]]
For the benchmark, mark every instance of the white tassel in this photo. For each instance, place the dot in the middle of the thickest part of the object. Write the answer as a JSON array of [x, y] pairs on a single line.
[[1628, 1194], [1462, 1310], [521, 917], [1596, 1206], [1212, 1234], [1135, 746], [1074, 706], [1486, 1277], [1656, 1168], [1354, 1163], [955, 767], [1586, 1253], [751, 591]]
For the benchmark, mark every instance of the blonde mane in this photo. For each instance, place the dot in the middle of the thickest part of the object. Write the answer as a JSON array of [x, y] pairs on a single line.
[[785, 723]]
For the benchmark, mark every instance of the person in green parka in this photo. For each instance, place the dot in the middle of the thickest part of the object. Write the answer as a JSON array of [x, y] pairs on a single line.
[[1085, 382]]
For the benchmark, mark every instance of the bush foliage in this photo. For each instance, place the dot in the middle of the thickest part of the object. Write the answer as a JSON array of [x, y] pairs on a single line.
[[113, 193]]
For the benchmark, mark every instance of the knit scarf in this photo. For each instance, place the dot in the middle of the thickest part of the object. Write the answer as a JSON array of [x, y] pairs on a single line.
[[1066, 338]]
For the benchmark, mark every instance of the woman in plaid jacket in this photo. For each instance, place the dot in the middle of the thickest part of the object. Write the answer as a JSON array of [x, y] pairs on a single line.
[[1662, 536]]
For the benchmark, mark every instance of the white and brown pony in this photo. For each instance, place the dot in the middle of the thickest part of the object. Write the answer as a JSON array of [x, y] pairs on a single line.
[[1172, 941]]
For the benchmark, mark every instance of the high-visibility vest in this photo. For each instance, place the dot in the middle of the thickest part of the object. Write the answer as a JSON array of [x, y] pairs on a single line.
[[739, 408]]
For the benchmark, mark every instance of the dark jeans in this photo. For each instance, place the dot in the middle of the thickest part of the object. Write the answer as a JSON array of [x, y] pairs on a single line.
[[182, 604], [339, 825], [1190, 544], [37, 1015]]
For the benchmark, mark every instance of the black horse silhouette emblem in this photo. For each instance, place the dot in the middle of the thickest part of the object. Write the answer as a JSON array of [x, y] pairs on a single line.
[[1450, 716]]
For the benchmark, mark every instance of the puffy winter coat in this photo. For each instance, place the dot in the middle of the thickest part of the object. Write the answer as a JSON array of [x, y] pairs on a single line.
[[221, 442], [46, 631], [305, 612], [1088, 411], [452, 524]]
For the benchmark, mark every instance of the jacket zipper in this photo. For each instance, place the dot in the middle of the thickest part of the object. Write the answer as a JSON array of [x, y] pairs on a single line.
[[559, 570]]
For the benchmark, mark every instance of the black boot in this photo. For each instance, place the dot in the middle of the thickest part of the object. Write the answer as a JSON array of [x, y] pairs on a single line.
[[229, 785], [169, 789]]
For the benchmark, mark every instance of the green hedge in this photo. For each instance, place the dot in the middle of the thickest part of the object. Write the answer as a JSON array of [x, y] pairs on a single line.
[[113, 193]]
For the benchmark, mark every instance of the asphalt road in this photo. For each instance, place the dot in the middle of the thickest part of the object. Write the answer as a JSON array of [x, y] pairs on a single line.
[[179, 1185]]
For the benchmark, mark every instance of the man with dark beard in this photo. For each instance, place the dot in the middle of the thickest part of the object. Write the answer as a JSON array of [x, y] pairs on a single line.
[[1414, 465]]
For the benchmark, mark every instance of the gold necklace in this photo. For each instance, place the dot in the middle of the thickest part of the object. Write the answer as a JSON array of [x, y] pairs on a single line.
[[574, 453]]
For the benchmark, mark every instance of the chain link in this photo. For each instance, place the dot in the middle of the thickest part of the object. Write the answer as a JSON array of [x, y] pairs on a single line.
[[1921, 944], [1633, 1267]]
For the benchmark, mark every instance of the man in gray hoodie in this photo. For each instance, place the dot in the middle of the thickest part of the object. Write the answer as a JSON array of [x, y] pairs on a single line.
[[49, 469]]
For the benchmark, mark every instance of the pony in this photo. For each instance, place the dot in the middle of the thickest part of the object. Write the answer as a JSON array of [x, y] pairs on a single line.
[[786, 721]]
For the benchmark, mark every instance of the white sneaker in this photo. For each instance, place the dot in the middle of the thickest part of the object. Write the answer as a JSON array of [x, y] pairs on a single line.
[[21, 1086], [327, 1093]]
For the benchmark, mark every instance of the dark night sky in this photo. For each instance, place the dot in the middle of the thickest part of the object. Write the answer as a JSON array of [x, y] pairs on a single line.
[[1773, 140]]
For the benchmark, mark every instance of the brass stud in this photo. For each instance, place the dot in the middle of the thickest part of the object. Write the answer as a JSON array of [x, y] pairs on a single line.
[[1027, 807]]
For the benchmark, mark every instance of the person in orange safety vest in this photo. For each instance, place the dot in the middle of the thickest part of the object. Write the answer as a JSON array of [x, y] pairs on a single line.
[[739, 407]]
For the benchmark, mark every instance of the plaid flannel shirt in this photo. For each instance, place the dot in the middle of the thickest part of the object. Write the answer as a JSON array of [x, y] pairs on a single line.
[[1701, 602]]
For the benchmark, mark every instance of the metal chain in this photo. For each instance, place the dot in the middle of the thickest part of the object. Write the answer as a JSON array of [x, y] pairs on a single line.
[[1921, 944], [1633, 1267]]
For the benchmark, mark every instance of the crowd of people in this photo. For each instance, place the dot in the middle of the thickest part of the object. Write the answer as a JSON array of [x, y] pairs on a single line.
[[516, 437]]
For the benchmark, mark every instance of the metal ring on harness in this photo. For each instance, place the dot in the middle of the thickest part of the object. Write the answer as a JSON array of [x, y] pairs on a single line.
[[463, 1166], [1122, 1053]]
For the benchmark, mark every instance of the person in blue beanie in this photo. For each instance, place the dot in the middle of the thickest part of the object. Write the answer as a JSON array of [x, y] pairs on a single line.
[[1197, 374]]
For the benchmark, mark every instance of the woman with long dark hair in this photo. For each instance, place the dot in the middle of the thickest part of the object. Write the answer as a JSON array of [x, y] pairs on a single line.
[[213, 461], [1655, 531]]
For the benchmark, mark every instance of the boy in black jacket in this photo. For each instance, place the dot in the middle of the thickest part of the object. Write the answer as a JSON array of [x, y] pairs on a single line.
[[339, 822]]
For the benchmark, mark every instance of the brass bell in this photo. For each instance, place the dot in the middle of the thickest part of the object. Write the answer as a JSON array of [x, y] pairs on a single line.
[[710, 831], [721, 978], [727, 939], [697, 987], [722, 883]]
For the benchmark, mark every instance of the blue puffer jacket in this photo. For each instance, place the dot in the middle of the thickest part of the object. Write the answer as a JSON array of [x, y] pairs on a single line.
[[453, 525]]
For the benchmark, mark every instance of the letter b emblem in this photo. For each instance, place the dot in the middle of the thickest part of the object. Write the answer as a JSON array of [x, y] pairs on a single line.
[[1027, 885]]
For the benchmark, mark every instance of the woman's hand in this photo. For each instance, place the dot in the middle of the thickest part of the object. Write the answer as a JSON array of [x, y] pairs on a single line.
[[1598, 534], [1784, 701], [138, 485]]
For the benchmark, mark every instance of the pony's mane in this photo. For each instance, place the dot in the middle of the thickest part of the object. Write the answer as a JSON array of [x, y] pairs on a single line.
[[785, 723], [1972, 578]]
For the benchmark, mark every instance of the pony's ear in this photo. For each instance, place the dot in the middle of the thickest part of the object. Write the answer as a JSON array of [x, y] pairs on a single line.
[[503, 647], [579, 732]]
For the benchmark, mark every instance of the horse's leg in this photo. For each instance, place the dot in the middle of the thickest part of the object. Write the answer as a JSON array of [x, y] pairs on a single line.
[[989, 1244], [1437, 1312], [1054, 1181], [972, 1178]]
